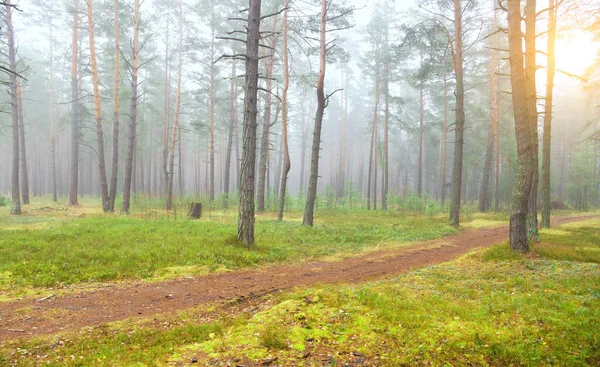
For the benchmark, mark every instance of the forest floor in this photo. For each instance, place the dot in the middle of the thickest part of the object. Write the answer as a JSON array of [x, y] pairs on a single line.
[[29, 318]]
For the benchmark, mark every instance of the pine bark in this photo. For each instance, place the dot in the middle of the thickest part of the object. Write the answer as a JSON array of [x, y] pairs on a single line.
[[74, 112], [212, 97], [52, 124], [248, 165], [444, 144], [525, 118], [372, 174], [97, 111], [460, 117], [133, 110], [230, 136], [284, 117], [175, 130], [547, 138], [421, 142], [15, 190], [316, 148], [23, 151], [115, 138]]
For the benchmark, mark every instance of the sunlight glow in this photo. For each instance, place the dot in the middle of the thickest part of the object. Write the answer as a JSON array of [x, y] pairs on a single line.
[[576, 52]]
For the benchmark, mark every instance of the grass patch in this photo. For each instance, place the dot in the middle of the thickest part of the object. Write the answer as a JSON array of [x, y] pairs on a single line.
[[98, 248], [490, 309]]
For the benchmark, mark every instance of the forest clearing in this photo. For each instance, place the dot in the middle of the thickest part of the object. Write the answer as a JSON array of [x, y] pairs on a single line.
[[300, 183], [360, 296]]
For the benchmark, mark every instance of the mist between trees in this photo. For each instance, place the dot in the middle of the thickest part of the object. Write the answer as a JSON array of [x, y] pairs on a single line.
[[415, 104]]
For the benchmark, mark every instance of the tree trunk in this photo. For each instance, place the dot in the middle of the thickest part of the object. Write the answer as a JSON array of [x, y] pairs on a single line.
[[23, 151], [211, 132], [133, 109], [248, 164], [530, 70], [15, 197], [548, 116], [52, 125], [303, 152], [460, 117], [74, 112], [232, 124], [115, 139], [175, 129], [284, 120], [421, 142], [166, 122], [97, 111], [444, 143], [263, 164], [386, 165], [525, 117], [316, 148]]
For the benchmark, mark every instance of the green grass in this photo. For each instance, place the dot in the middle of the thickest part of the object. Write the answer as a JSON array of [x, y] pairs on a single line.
[[95, 248], [489, 308]]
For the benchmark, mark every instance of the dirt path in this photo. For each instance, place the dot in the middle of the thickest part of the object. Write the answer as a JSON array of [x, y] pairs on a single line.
[[29, 318]]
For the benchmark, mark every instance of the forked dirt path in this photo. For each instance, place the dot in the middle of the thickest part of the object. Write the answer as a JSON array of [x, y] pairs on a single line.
[[30, 318]]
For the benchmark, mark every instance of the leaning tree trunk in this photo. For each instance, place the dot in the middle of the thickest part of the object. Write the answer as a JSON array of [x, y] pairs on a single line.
[[22, 147], [525, 117], [248, 165], [97, 111], [74, 112], [115, 142], [284, 120], [15, 197], [175, 130], [314, 163], [548, 116], [133, 110], [459, 128]]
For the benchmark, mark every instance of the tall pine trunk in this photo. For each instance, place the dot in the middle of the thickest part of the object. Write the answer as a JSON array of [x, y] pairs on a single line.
[[459, 128], [525, 119], [248, 165], [15, 197], [23, 151], [232, 124], [284, 117], [316, 148], [117, 80], [52, 124], [74, 111], [175, 130], [97, 111], [132, 110], [547, 139]]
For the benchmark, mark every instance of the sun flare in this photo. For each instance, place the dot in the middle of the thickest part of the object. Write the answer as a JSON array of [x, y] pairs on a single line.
[[576, 52]]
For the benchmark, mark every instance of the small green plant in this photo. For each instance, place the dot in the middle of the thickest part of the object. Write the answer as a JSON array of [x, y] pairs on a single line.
[[273, 336], [3, 201]]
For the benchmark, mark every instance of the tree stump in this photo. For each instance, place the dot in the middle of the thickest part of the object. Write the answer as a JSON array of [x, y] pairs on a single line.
[[195, 211]]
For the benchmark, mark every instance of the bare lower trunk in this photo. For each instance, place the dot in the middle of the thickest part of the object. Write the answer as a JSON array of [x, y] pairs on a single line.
[[74, 113], [232, 124], [97, 111], [444, 143], [23, 151], [248, 165], [548, 116], [525, 120], [316, 148], [115, 141], [421, 143], [284, 118], [132, 111], [460, 117], [175, 131], [52, 127], [15, 197]]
